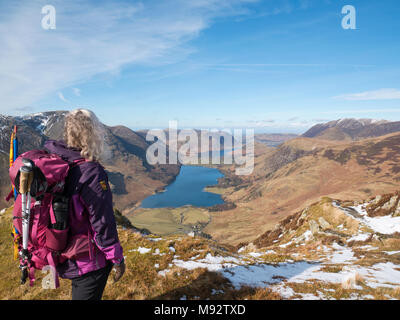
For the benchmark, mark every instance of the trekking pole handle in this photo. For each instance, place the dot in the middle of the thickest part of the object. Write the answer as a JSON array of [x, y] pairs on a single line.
[[25, 179]]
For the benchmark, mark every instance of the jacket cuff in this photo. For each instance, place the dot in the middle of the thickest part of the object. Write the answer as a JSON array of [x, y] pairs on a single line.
[[113, 253]]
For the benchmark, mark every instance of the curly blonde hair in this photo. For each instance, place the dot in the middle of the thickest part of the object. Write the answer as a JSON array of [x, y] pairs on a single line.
[[82, 130]]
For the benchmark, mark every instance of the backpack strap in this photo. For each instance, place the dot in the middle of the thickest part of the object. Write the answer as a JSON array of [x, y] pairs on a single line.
[[77, 162]]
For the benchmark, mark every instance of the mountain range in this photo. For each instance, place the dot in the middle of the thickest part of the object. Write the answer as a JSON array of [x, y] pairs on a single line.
[[352, 129], [345, 159], [131, 177], [319, 218], [300, 171]]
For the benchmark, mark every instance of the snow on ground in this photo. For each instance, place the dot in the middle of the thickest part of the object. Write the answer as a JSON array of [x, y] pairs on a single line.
[[263, 275], [249, 268], [341, 254], [385, 224], [141, 250], [242, 271], [209, 262], [391, 252], [286, 244], [155, 239], [359, 237]]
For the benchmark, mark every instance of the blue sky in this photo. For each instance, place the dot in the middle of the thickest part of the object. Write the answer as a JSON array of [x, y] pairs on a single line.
[[272, 65]]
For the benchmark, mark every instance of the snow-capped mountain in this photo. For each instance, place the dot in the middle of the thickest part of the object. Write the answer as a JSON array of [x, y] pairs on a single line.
[[125, 155], [352, 129]]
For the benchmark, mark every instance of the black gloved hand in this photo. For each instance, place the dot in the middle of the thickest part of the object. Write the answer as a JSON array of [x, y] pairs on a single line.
[[119, 270]]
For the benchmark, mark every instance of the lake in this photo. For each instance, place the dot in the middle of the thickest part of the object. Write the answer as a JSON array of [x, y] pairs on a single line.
[[187, 189]]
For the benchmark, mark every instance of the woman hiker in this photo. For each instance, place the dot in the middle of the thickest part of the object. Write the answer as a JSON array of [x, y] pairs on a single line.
[[91, 209]]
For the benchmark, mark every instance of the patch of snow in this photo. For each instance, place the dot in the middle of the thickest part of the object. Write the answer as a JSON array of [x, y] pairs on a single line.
[[142, 250], [307, 235], [308, 296], [283, 291], [341, 254], [368, 247], [391, 252], [255, 254], [382, 275], [359, 237], [209, 262], [286, 244], [163, 272], [385, 224]]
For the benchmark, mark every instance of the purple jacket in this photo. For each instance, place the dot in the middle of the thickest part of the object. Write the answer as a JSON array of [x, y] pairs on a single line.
[[91, 213]]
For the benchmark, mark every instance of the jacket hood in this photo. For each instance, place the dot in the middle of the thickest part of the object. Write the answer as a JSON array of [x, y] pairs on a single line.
[[60, 148]]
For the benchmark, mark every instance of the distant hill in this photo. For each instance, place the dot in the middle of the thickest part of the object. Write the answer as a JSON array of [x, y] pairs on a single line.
[[273, 139], [297, 173], [131, 177], [352, 129]]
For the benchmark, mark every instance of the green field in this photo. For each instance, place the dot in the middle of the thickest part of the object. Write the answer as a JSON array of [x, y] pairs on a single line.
[[165, 221]]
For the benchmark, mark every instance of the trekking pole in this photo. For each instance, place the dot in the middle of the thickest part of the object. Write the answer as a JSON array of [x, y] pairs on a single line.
[[15, 154], [26, 178]]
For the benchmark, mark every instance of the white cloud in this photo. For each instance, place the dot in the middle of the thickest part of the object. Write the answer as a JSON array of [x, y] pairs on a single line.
[[61, 96], [90, 40], [77, 91], [382, 94]]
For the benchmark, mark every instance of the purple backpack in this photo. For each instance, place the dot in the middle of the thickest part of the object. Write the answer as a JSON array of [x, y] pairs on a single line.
[[48, 242]]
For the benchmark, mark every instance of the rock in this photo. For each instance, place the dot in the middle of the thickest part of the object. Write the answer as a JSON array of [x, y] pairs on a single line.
[[323, 223], [304, 213], [377, 199], [314, 227], [396, 212], [390, 204]]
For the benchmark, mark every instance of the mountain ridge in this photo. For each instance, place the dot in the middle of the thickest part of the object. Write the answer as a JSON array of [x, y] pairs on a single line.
[[125, 155], [352, 129]]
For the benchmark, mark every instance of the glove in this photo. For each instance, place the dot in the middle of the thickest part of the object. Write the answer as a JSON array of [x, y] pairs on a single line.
[[119, 269]]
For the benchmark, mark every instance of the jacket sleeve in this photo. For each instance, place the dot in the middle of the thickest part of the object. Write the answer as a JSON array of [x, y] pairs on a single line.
[[97, 197]]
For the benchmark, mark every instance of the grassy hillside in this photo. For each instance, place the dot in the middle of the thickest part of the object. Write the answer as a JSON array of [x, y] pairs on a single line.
[[142, 279], [299, 172], [330, 250]]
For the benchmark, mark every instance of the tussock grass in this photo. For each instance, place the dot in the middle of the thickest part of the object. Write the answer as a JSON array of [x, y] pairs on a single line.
[[141, 280], [353, 280]]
